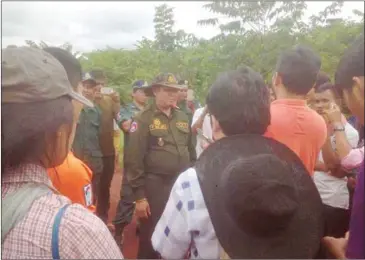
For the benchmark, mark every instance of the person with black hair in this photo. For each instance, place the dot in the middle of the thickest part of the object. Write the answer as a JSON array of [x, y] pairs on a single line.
[[109, 107], [321, 79], [37, 124], [293, 123], [331, 180], [157, 151], [125, 208], [210, 215], [73, 177], [349, 81]]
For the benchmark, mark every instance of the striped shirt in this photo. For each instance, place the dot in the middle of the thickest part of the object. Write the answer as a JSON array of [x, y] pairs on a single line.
[[82, 235]]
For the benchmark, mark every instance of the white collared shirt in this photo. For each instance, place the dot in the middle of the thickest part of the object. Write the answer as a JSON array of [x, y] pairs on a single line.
[[185, 227]]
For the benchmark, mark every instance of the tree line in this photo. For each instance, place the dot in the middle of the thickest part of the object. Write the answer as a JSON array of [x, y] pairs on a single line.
[[255, 34]]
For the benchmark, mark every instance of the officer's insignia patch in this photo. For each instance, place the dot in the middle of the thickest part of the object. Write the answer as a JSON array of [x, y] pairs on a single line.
[[170, 79], [156, 123], [160, 142], [134, 127]]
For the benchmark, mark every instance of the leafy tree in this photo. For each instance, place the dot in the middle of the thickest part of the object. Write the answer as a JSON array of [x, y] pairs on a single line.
[[255, 34], [164, 23]]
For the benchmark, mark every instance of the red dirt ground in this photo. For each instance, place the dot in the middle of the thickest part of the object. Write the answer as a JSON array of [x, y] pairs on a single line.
[[130, 246]]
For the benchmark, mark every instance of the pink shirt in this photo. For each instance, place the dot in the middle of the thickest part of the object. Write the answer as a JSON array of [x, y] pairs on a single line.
[[353, 159]]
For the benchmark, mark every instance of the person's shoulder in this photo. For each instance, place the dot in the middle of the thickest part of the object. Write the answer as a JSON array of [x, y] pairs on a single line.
[[77, 216], [181, 115], [145, 115], [315, 119], [81, 229], [199, 110], [187, 179], [350, 128]]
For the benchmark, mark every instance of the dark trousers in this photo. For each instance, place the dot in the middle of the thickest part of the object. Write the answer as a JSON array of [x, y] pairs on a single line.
[[103, 188], [157, 189], [125, 208], [336, 221]]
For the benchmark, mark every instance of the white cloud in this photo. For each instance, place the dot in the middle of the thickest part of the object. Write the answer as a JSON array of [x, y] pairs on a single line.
[[95, 25]]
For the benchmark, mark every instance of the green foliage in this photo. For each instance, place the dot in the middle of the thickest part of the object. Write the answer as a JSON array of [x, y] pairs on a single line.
[[255, 35]]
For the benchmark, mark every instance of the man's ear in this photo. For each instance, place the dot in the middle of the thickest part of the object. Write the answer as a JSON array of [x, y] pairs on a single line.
[[358, 87], [276, 80]]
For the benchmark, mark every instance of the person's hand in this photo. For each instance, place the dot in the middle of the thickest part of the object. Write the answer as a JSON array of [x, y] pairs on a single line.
[[351, 183], [204, 145], [126, 125], [115, 96], [336, 246], [333, 114], [142, 209]]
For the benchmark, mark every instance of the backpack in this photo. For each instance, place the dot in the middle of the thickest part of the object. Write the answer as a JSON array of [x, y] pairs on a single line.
[[16, 205]]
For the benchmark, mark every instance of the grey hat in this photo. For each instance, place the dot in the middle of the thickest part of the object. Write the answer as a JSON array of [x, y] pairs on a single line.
[[33, 75]]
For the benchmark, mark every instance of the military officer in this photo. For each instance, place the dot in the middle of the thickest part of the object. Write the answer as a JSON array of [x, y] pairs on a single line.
[[157, 151], [125, 208], [86, 145], [182, 104]]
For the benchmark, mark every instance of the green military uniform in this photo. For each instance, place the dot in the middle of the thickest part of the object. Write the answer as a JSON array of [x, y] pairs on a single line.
[[183, 106], [86, 145], [125, 208], [157, 152]]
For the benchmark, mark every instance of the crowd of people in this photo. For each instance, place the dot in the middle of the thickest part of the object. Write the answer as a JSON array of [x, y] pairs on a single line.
[[261, 171]]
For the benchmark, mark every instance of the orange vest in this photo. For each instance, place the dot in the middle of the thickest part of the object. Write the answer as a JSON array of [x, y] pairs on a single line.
[[73, 179]]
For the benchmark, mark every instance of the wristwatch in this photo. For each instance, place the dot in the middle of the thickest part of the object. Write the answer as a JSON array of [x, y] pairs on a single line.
[[338, 128]]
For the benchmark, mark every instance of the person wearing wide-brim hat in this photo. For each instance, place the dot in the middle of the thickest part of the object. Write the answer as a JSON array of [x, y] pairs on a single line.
[[167, 81], [38, 119], [260, 199], [247, 196], [159, 141]]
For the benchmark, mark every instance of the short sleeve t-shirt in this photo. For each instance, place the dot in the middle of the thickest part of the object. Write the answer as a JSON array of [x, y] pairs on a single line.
[[333, 190], [299, 127], [73, 180], [206, 129]]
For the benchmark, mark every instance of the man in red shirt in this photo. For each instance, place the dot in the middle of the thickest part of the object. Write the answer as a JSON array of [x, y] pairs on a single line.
[[293, 123]]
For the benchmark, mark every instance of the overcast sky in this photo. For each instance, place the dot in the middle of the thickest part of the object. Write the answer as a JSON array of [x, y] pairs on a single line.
[[95, 25]]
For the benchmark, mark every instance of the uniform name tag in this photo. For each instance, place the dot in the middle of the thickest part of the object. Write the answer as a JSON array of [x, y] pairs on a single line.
[[182, 125]]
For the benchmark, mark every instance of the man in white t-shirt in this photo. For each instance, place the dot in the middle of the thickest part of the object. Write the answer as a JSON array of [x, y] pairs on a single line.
[[329, 177], [201, 120]]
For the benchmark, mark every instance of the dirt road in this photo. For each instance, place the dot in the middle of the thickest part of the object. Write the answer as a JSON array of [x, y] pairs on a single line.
[[130, 246]]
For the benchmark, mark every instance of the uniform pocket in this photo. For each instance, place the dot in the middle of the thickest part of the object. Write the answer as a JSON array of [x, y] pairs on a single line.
[[182, 133]]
